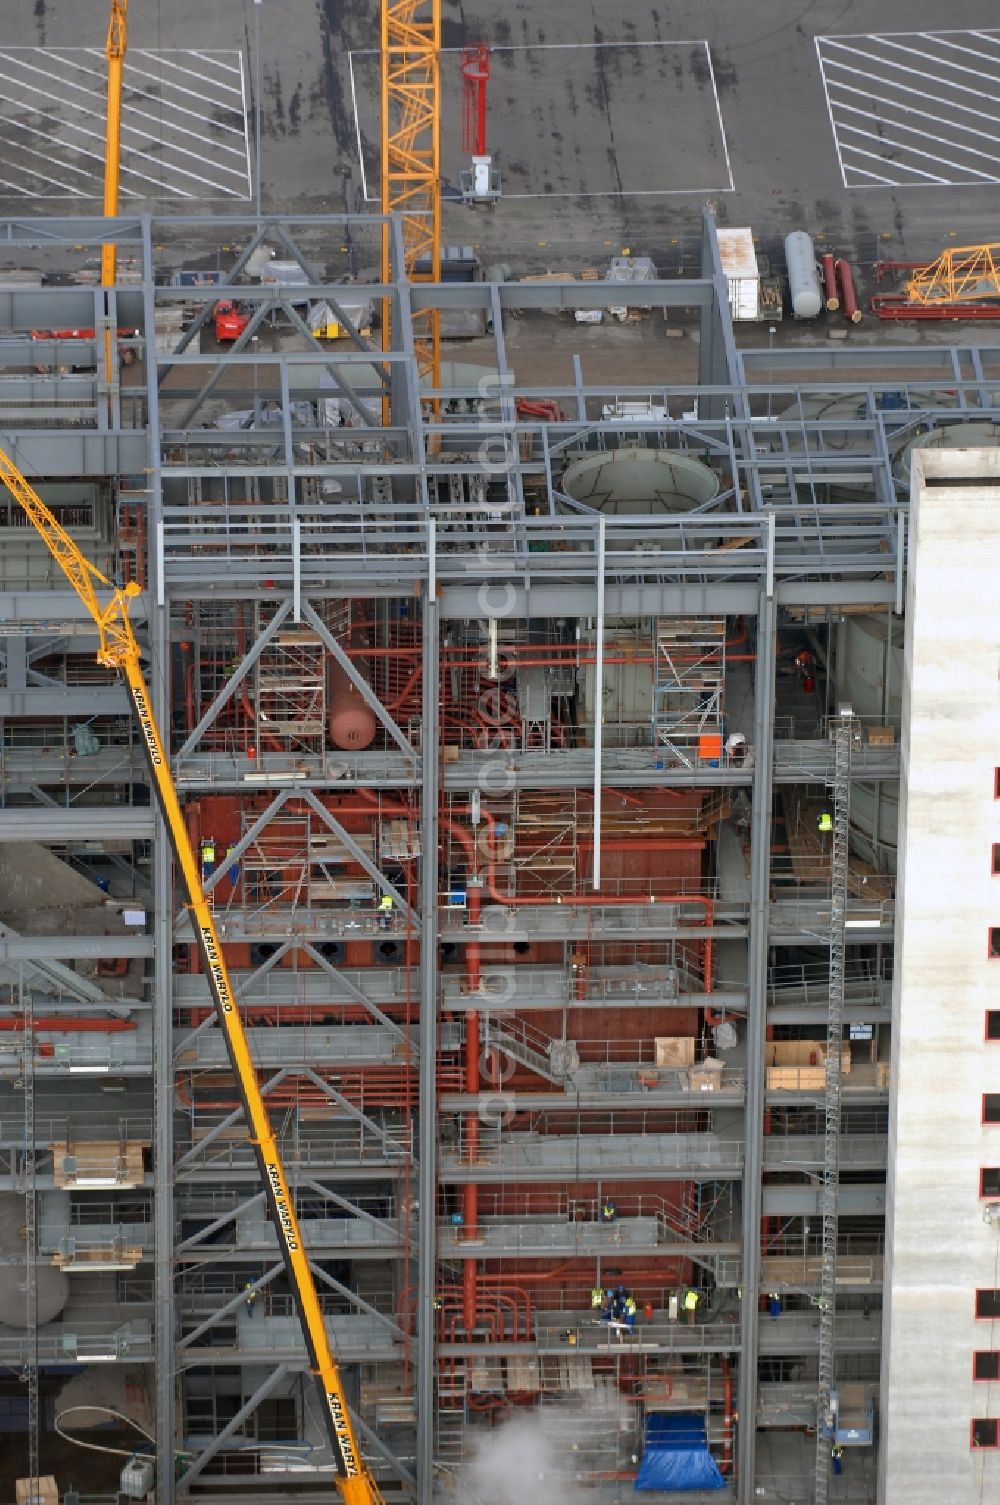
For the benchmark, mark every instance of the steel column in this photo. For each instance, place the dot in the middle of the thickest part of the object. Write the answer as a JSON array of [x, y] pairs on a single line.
[[427, 1183], [760, 869]]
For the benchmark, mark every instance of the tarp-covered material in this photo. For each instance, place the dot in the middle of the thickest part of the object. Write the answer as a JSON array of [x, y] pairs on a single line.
[[677, 1455]]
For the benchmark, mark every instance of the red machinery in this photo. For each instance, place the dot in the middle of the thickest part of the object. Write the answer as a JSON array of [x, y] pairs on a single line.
[[230, 320], [475, 77]]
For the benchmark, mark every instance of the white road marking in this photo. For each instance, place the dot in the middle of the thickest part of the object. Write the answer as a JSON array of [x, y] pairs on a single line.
[[641, 193], [184, 128], [922, 101]]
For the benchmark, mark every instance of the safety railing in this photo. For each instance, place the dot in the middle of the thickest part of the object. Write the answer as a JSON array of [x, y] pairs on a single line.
[[392, 543]]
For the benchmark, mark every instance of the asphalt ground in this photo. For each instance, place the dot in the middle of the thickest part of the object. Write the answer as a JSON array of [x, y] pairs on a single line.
[[867, 122]]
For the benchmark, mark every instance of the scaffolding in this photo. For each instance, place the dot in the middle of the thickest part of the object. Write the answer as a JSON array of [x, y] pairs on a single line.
[[689, 675], [843, 732], [290, 691]]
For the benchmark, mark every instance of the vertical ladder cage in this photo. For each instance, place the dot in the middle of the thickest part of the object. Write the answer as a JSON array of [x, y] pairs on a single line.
[[840, 789]]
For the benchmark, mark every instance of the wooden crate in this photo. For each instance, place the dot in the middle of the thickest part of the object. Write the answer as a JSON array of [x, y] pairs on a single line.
[[881, 736], [40, 1491], [795, 1078], [674, 1050]]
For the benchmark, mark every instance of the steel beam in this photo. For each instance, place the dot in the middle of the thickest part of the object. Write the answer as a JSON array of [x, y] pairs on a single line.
[[60, 825], [429, 965], [29, 948], [756, 1032], [94, 700], [231, 1429], [237, 677], [358, 853], [358, 680]]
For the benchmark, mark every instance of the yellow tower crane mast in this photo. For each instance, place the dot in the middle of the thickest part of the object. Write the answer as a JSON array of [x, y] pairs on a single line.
[[411, 160], [114, 50], [118, 649]]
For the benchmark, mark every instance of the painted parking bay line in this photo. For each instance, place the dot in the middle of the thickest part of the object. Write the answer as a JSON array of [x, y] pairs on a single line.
[[184, 124], [910, 109]]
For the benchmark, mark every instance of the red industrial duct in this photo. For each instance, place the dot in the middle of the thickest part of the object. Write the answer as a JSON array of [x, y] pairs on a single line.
[[830, 296], [69, 1024]]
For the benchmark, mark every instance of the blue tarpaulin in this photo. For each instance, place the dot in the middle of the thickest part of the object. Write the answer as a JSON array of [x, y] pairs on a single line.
[[677, 1455]]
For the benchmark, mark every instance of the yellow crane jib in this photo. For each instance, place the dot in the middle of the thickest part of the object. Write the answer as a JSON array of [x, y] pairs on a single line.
[[120, 650], [114, 51]]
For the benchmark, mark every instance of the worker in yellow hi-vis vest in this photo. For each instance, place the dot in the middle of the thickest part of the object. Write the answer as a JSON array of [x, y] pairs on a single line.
[[691, 1300], [824, 825]]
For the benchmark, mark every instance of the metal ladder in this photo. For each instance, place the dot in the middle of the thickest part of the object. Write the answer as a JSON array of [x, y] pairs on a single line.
[[843, 733]]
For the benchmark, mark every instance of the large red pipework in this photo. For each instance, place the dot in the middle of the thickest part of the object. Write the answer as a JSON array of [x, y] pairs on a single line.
[[830, 297], [70, 1024], [846, 279], [470, 1195]]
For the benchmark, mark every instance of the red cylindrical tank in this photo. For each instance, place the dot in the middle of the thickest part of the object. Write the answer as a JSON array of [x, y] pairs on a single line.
[[830, 296], [851, 309], [351, 721]]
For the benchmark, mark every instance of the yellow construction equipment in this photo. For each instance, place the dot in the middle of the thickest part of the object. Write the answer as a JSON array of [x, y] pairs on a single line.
[[114, 51], [962, 274], [118, 649], [411, 160]]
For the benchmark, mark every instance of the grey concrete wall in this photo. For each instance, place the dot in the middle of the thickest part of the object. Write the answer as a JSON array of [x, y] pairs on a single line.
[[939, 1247]]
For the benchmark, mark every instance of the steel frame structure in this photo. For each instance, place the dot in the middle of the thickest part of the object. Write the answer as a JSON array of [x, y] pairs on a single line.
[[771, 543]]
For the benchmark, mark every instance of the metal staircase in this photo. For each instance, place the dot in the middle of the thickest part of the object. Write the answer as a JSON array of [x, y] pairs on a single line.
[[555, 1060], [842, 733], [689, 662]]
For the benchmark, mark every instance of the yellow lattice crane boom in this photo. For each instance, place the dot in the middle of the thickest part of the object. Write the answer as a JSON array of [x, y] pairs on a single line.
[[118, 649], [411, 158], [962, 274], [114, 51]]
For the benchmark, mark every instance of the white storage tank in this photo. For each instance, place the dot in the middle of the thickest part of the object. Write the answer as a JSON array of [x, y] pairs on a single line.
[[640, 481], [803, 280]]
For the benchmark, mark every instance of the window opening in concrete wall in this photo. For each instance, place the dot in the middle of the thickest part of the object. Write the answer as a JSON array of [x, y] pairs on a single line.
[[989, 1181], [988, 1303], [984, 1432], [986, 1364]]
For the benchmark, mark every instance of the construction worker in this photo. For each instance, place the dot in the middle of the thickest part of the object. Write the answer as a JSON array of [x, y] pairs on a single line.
[[736, 748], [232, 868], [630, 1310], [596, 1298], [824, 825], [250, 1296], [774, 1305], [837, 1458], [207, 857], [385, 912], [609, 1212], [608, 1306], [691, 1299]]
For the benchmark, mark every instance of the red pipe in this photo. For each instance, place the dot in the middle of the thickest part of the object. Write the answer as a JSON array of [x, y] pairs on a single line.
[[851, 309], [470, 1195], [829, 282], [70, 1024]]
